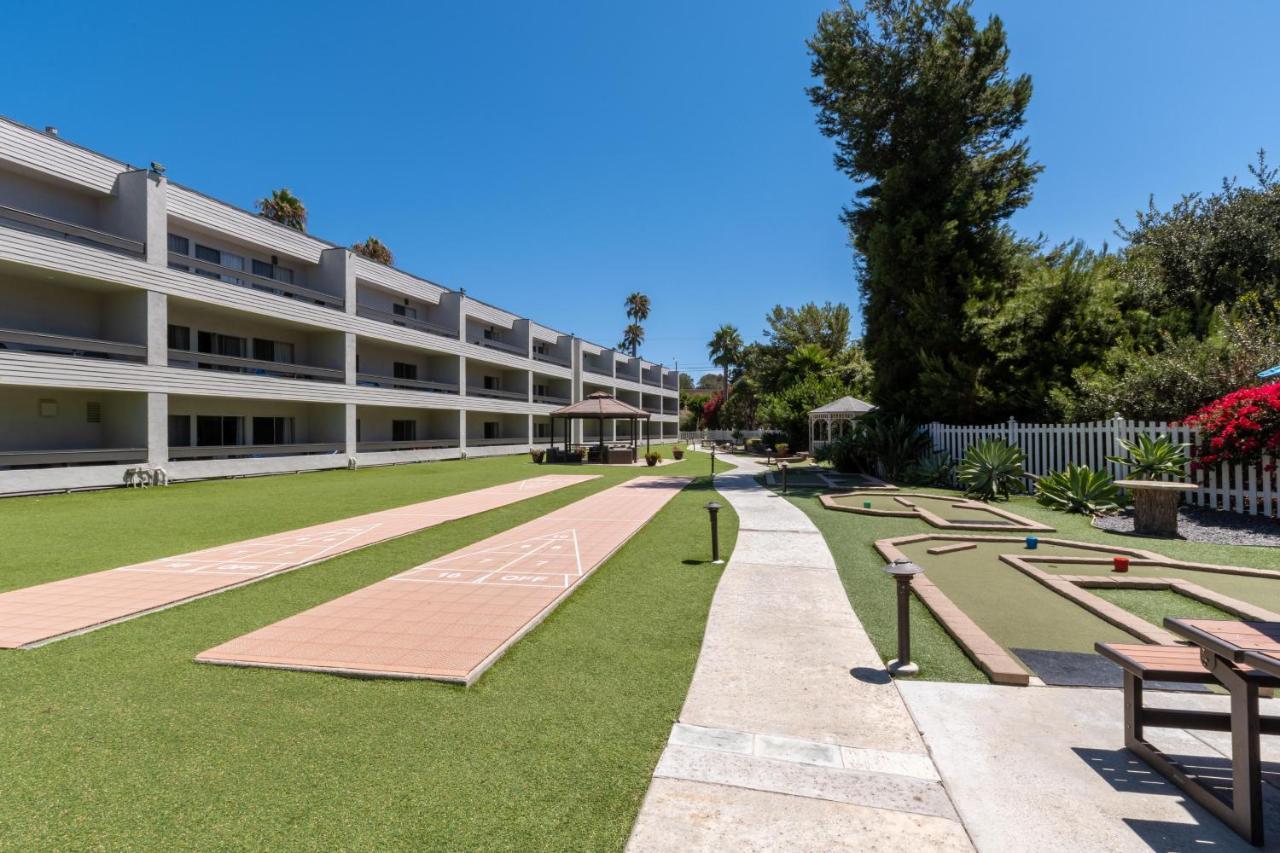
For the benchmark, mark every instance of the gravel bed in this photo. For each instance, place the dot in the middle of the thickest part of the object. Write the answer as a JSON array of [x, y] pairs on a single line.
[[1201, 524]]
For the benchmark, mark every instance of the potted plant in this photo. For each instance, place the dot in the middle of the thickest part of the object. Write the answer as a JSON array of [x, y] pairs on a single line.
[[782, 449], [583, 454], [537, 454], [677, 452], [652, 458]]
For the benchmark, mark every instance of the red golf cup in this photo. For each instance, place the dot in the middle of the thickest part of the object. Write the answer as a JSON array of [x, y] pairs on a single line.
[[1119, 564]]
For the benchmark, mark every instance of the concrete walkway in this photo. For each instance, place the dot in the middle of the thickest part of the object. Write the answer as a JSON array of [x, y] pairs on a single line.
[[793, 737]]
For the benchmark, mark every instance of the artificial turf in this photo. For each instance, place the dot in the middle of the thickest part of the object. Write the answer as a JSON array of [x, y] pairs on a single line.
[[116, 739], [852, 538]]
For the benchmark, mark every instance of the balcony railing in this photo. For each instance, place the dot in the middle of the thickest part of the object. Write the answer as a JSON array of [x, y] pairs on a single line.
[[491, 442], [407, 322], [551, 399], [551, 359], [67, 230], [496, 394], [255, 366], [501, 346], [240, 451], [240, 278], [599, 371], [380, 381], [653, 410], [423, 444], [68, 345], [94, 456]]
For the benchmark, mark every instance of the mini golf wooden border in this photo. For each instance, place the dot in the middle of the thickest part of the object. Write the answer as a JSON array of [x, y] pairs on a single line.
[[1003, 668], [34, 616], [912, 510], [445, 630]]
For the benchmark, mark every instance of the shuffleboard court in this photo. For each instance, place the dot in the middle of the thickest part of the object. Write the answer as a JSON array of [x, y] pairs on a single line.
[[451, 618], [40, 614]]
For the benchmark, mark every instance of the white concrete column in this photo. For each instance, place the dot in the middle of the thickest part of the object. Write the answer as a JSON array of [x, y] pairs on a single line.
[[349, 430], [137, 210], [575, 390], [462, 431], [528, 429], [462, 376], [337, 276], [158, 429], [157, 329], [349, 357]]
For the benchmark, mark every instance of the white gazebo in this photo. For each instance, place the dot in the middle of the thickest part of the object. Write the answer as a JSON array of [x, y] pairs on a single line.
[[835, 419]]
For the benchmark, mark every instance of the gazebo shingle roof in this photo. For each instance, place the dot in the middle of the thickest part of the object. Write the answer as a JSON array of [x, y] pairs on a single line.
[[845, 406], [600, 405]]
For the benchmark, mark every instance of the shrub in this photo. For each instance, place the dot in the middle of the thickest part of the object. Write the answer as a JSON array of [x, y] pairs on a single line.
[[1151, 458], [772, 437], [933, 468], [1240, 427], [537, 454], [892, 443], [848, 454], [652, 457], [1078, 489], [991, 470], [677, 452]]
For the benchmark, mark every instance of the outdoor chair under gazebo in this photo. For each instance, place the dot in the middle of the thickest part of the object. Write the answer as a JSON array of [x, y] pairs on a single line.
[[599, 407]]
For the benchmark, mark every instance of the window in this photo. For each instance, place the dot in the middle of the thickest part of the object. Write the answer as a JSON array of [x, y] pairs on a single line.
[[263, 269], [179, 337], [219, 430], [179, 431], [540, 390], [491, 383], [216, 344], [540, 348], [541, 429], [273, 430], [358, 430], [284, 274], [401, 370], [265, 350], [204, 253], [492, 429], [181, 245], [491, 334], [404, 430], [404, 311]]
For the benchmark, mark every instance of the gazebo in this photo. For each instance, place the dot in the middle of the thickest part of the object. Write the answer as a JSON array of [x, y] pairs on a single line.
[[602, 407], [834, 419]]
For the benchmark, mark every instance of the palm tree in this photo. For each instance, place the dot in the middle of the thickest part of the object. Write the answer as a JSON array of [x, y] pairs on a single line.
[[375, 250], [632, 338], [284, 207], [637, 307], [725, 348]]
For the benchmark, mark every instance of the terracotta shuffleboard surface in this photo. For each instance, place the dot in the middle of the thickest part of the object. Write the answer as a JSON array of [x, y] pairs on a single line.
[[451, 618], [40, 614]]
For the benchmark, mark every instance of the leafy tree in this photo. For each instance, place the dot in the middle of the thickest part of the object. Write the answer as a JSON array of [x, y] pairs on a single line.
[[284, 207], [711, 381], [924, 114], [788, 409], [684, 382], [637, 305], [725, 348], [375, 250], [632, 338]]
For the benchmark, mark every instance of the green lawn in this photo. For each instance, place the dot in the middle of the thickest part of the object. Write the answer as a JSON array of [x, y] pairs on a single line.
[[115, 739], [852, 537]]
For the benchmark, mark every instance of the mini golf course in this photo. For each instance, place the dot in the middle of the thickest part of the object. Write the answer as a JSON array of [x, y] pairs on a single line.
[[1010, 606], [943, 511], [815, 477]]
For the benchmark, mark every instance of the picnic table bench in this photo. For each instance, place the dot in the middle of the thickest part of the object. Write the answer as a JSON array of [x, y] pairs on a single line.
[[1233, 655]]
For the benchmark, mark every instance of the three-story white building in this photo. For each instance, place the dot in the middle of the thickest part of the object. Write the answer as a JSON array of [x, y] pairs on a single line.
[[143, 322]]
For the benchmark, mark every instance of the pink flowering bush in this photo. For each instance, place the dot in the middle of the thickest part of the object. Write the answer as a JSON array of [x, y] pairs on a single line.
[[1243, 426]]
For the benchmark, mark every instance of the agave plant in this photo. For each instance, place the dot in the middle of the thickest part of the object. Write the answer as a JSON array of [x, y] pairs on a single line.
[[991, 470], [1151, 458], [934, 468], [1078, 489]]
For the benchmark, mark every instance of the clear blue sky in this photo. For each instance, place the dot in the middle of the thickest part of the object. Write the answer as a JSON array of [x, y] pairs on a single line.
[[553, 157]]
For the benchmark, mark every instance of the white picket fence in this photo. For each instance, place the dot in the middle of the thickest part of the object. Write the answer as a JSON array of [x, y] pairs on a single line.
[[720, 434], [1247, 489]]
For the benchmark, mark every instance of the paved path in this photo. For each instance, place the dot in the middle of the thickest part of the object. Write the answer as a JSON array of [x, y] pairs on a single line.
[[451, 618], [40, 614], [792, 736]]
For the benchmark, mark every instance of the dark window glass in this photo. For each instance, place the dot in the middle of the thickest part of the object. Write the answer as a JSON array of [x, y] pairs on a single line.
[[404, 430], [264, 350], [262, 268], [181, 245], [179, 431], [208, 430], [491, 429], [284, 274], [491, 383], [401, 370], [204, 253], [179, 337]]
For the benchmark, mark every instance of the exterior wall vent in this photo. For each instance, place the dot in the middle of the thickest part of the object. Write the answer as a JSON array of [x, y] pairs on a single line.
[[50, 130], [93, 413]]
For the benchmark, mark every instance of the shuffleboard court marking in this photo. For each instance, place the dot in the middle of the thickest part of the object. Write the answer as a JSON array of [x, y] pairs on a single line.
[[37, 615], [450, 618]]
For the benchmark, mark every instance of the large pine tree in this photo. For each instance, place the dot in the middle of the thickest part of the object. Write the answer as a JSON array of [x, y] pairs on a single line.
[[924, 113]]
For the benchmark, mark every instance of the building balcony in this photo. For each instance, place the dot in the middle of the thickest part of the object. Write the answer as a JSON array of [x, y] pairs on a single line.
[[497, 395], [67, 458], [551, 399], [14, 217], [378, 381], [551, 359], [494, 442], [254, 451], [502, 346], [70, 346], [599, 371], [424, 444], [240, 278], [254, 366], [407, 322]]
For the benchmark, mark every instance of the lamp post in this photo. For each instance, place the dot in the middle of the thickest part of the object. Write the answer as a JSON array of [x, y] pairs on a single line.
[[903, 570], [784, 466], [713, 467], [713, 509]]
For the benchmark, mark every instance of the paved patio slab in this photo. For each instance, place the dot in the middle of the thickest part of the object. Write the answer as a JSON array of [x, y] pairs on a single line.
[[40, 614], [451, 618]]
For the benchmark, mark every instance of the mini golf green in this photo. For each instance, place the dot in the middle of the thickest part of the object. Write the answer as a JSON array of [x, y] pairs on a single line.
[[950, 510]]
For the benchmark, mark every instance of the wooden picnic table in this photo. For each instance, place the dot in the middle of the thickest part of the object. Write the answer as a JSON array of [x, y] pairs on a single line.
[[1243, 657]]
